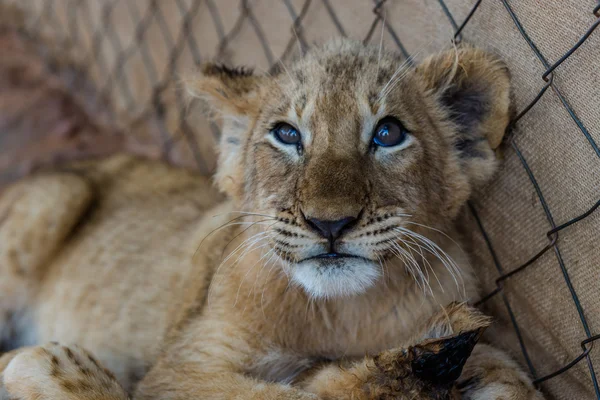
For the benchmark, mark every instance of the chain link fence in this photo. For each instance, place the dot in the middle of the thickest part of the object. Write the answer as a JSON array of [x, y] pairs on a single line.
[[122, 61]]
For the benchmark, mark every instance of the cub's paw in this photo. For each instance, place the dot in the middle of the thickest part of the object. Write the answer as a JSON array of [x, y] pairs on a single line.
[[428, 370], [53, 372]]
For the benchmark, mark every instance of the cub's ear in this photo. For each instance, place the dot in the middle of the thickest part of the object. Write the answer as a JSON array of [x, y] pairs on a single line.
[[228, 90], [439, 362], [473, 89], [234, 97]]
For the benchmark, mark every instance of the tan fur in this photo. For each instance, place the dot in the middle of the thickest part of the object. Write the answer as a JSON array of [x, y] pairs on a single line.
[[130, 282], [58, 372]]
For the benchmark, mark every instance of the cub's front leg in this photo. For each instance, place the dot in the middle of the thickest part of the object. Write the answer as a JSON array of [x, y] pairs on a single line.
[[426, 368], [489, 375], [440, 363]]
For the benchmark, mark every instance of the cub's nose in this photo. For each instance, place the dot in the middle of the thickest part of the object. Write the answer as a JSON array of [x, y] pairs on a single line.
[[331, 229]]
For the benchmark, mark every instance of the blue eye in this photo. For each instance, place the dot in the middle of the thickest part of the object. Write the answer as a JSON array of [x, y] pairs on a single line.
[[389, 132], [286, 134]]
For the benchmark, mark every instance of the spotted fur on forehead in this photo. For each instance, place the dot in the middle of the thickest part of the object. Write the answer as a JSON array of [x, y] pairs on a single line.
[[343, 63]]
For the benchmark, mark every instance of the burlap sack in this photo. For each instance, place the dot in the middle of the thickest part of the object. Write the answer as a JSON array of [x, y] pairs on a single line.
[[171, 36]]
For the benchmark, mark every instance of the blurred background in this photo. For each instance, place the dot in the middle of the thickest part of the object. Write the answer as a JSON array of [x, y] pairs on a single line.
[[87, 78]]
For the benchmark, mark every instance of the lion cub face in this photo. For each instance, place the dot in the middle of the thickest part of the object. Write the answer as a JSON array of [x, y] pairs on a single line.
[[351, 150]]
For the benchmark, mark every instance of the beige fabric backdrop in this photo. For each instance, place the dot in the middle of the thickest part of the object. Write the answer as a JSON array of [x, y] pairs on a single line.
[[563, 162]]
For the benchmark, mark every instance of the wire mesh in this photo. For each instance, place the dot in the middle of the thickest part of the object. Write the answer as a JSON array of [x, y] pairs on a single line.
[[163, 110]]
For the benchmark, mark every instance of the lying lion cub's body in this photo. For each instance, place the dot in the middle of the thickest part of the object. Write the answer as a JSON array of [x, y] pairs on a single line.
[[142, 266], [119, 227]]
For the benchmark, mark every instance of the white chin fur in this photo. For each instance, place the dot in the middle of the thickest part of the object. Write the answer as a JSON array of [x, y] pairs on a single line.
[[327, 278]]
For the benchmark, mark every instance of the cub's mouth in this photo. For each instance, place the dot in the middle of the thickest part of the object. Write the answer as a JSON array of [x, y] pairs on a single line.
[[332, 255]]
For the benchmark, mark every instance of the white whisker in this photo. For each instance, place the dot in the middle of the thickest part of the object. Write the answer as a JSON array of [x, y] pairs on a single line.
[[439, 256], [412, 264], [289, 90], [246, 213], [405, 65], [426, 262], [398, 70], [262, 296], [254, 238], [439, 253], [438, 231], [249, 270], [246, 246]]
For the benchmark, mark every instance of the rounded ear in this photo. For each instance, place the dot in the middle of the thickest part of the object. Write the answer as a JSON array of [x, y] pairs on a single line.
[[233, 97], [472, 88], [227, 90]]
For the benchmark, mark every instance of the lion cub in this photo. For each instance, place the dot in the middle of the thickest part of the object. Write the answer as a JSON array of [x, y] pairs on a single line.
[[341, 174]]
